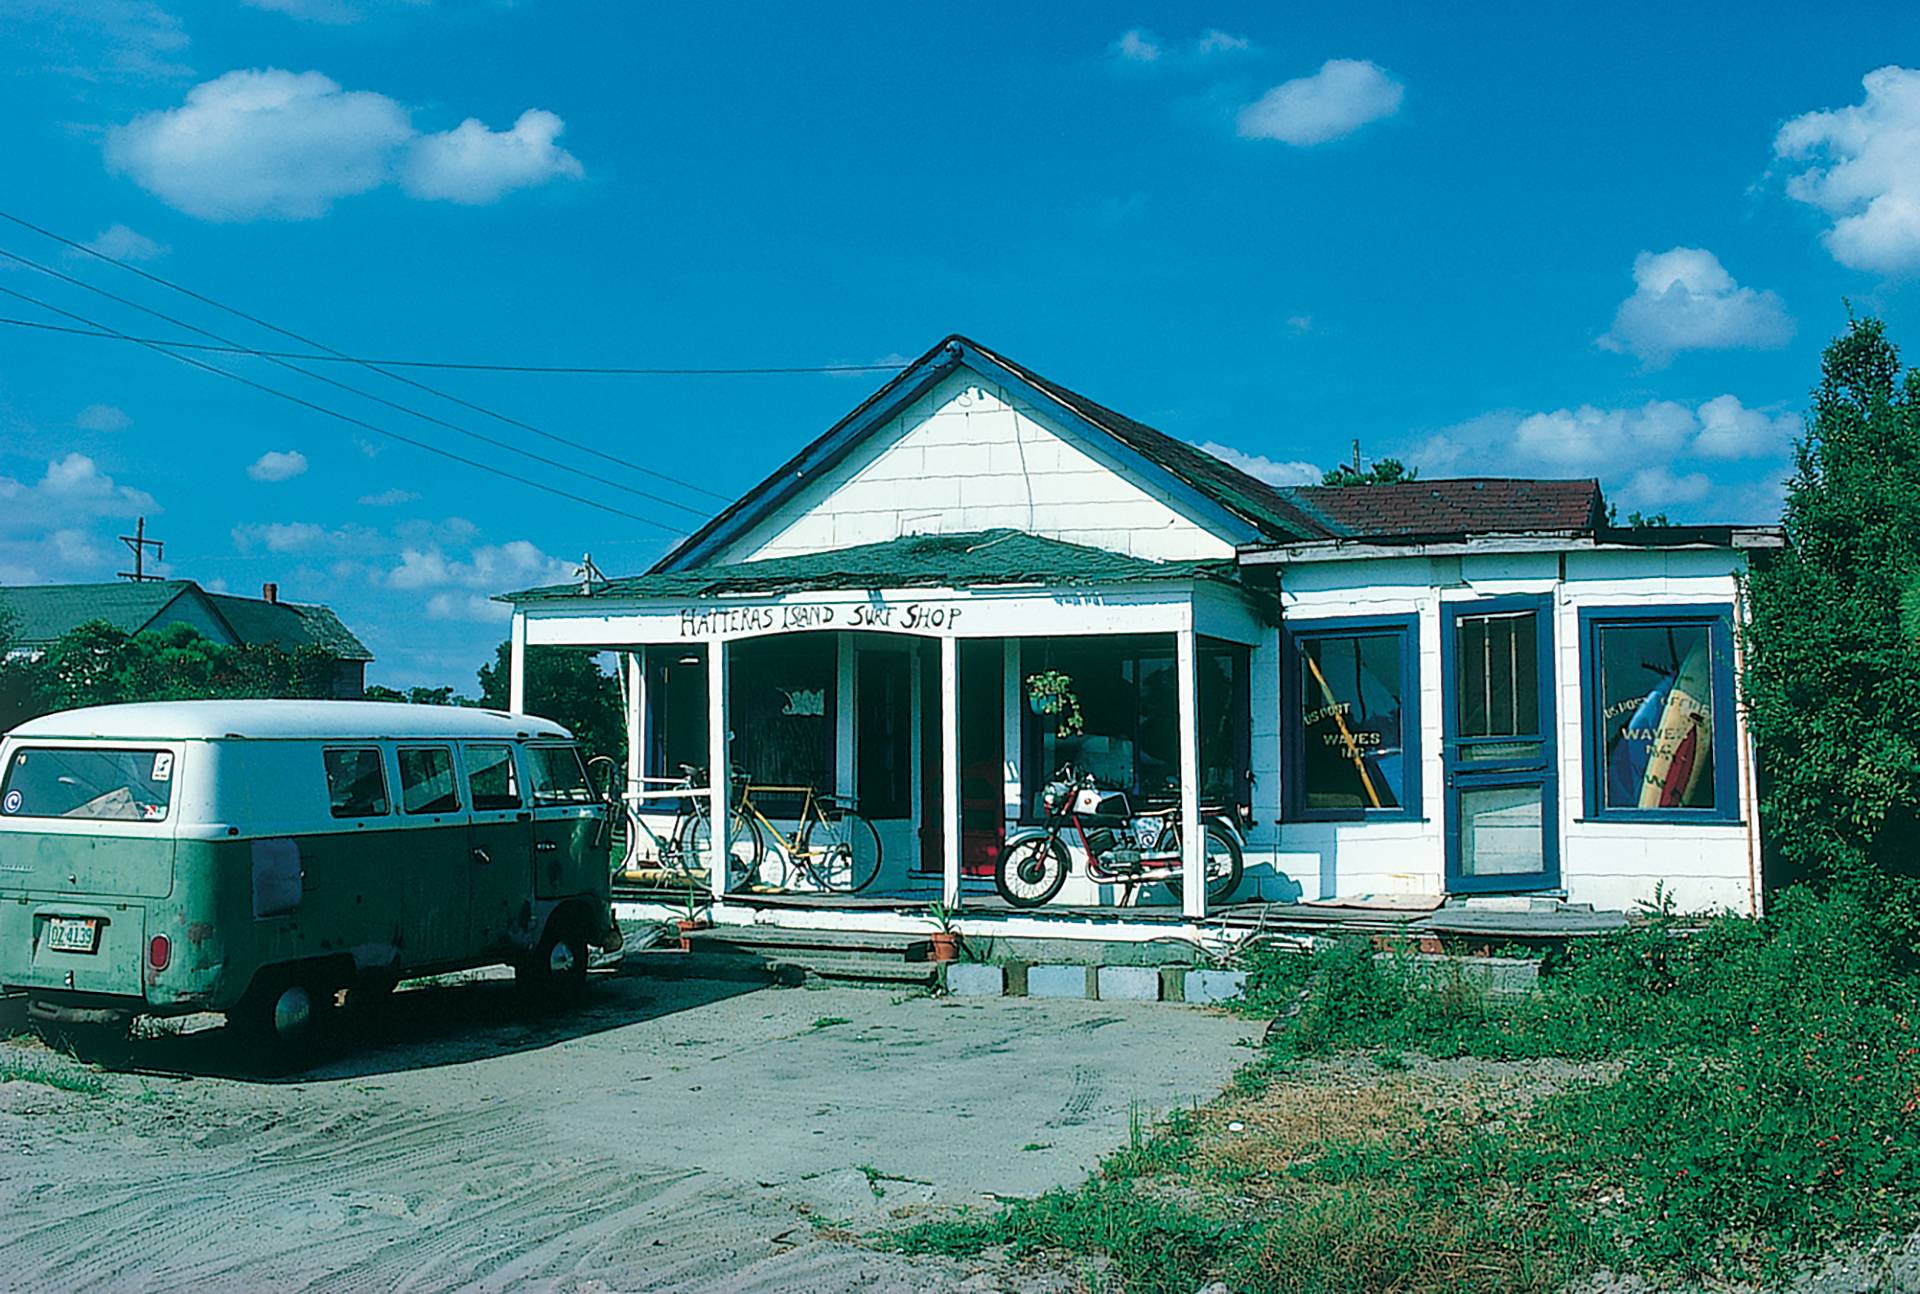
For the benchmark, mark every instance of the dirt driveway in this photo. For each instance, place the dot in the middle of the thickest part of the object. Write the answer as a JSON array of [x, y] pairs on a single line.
[[667, 1136]]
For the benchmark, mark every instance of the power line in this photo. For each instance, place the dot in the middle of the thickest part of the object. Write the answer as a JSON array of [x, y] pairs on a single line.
[[345, 417], [344, 386], [321, 357], [343, 357]]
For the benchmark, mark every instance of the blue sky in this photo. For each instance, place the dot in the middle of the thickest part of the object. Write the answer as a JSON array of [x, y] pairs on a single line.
[[1525, 240]]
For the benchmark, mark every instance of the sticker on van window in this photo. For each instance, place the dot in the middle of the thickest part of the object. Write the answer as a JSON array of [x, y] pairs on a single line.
[[162, 766], [13, 802], [152, 812]]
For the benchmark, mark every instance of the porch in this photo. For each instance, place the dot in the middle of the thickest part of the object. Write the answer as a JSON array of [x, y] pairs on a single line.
[[893, 681]]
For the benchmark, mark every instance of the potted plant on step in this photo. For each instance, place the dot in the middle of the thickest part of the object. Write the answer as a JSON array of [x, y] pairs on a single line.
[[691, 919], [1050, 692], [946, 937]]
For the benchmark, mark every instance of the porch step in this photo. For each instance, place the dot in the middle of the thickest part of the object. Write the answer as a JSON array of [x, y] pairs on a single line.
[[868, 970], [771, 940]]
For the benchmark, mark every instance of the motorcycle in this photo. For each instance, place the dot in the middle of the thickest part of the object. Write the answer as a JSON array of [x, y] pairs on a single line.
[[1122, 846]]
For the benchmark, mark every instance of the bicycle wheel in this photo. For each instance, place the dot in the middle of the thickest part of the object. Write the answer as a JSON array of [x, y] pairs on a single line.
[[840, 851], [744, 851]]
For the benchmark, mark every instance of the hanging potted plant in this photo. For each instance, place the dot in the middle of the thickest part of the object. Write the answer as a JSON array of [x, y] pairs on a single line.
[[946, 938], [1050, 692]]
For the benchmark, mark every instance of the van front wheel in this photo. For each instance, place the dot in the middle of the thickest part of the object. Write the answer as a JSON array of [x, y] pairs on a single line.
[[557, 971]]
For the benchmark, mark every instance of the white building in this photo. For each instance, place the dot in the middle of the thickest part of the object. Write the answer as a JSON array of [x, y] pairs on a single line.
[[1437, 689]]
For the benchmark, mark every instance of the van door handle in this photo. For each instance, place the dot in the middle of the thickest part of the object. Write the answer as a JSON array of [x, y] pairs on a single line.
[[482, 857]]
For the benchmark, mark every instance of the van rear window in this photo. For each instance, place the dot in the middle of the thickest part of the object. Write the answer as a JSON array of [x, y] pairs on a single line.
[[83, 782]]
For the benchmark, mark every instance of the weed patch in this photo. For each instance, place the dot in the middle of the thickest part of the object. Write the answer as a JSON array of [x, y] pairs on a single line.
[[1722, 1099], [50, 1073]]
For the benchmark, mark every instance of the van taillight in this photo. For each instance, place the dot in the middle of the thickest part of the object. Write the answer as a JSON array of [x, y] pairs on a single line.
[[159, 952]]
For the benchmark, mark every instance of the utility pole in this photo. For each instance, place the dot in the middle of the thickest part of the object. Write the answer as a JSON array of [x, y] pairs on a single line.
[[1356, 455], [139, 543]]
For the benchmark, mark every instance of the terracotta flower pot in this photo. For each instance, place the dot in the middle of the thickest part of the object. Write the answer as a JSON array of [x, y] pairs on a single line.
[[946, 945], [687, 925]]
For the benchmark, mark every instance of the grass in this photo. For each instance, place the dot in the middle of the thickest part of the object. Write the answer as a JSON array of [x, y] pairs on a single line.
[[1720, 1102], [828, 1022], [65, 1077]]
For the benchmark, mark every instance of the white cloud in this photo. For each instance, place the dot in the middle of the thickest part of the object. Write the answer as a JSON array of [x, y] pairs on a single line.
[[1659, 487], [123, 244], [493, 568], [1863, 170], [72, 492], [388, 498], [102, 417], [1300, 323], [474, 165], [98, 39], [466, 606], [1729, 429], [1272, 471], [1215, 41], [1344, 95], [272, 143], [278, 465], [1684, 299], [1588, 438], [1137, 46], [330, 12], [307, 537]]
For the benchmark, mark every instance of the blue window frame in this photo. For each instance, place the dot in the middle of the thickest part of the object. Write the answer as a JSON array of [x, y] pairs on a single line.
[[1657, 713], [1352, 722]]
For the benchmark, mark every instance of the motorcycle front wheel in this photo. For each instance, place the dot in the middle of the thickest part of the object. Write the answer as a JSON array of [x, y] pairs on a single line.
[[1031, 871]]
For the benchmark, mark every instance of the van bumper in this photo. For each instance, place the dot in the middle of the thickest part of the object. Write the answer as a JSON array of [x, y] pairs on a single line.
[[61, 1007]]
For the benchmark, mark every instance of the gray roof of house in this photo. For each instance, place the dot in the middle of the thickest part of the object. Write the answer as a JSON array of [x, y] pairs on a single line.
[[41, 613]]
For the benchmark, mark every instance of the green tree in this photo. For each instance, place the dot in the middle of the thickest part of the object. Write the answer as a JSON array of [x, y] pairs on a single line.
[[568, 687], [20, 697], [1832, 684], [1385, 471]]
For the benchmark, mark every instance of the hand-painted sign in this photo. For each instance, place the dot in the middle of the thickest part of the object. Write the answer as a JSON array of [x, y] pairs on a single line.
[[729, 622]]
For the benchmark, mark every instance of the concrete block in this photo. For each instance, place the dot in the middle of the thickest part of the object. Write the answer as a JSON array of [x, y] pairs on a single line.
[[1173, 983], [1212, 986], [1129, 984], [975, 979], [1057, 980], [1016, 978]]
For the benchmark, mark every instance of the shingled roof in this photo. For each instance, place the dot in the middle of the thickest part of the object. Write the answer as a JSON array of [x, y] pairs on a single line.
[[42, 613], [1459, 506]]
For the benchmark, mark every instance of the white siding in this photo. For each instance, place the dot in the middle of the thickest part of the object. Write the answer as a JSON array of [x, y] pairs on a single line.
[[1612, 865], [966, 457]]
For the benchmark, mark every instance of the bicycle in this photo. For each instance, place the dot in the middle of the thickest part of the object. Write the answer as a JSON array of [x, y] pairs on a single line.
[[833, 848], [684, 848]]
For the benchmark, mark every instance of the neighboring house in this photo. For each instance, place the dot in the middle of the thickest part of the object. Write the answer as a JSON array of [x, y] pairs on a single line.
[[1443, 688], [42, 613]]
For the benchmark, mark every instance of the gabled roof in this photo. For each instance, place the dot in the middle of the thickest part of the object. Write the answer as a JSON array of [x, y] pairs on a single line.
[[289, 625], [1462, 506], [951, 561], [42, 613], [1232, 500]]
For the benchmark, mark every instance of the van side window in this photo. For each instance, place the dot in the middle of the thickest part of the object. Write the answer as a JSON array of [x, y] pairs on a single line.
[[491, 781], [426, 780], [356, 783], [558, 776]]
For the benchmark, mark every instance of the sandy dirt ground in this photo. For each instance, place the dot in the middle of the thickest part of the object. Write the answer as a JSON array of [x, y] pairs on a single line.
[[665, 1136]]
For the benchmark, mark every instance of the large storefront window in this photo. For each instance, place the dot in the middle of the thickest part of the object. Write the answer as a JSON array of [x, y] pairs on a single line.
[[1658, 686], [781, 709], [1127, 691], [1352, 719], [677, 709]]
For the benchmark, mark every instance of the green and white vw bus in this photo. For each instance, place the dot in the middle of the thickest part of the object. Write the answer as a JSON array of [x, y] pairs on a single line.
[[257, 857]]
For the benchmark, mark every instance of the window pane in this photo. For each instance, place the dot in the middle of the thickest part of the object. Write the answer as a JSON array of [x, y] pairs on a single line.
[[1502, 831], [1497, 674], [122, 785], [491, 780], [1353, 751], [558, 776], [356, 783], [1656, 708], [677, 699], [426, 780], [1224, 721]]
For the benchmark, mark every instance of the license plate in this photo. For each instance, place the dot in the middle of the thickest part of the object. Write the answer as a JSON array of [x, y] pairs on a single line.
[[72, 934]]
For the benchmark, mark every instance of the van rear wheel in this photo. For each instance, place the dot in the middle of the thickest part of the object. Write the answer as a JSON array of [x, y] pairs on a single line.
[[556, 973], [286, 1018]]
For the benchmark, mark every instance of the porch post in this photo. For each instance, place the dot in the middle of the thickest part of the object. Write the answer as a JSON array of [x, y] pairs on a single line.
[[636, 663], [517, 665], [845, 752], [1012, 720], [1194, 862], [950, 771], [719, 772]]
